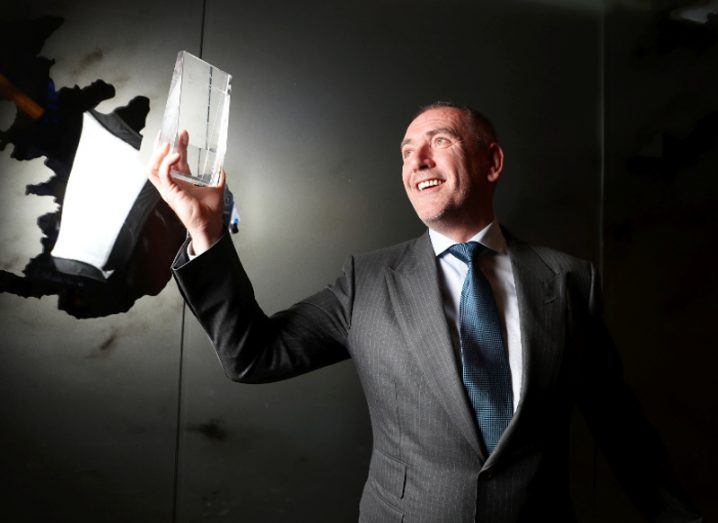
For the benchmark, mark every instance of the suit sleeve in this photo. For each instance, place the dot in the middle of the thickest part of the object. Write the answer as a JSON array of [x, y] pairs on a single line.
[[632, 447], [253, 347]]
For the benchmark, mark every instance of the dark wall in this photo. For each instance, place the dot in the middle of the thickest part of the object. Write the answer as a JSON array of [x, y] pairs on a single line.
[[661, 223], [151, 430]]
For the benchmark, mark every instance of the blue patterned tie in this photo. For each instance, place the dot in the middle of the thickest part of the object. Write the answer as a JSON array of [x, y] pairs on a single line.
[[485, 367]]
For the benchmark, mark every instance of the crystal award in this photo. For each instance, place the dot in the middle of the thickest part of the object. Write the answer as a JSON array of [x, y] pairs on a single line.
[[198, 102]]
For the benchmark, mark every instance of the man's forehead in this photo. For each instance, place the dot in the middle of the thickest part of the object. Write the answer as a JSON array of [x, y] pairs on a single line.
[[432, 119]]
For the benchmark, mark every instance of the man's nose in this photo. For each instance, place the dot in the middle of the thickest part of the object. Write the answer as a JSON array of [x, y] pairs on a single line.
[[422, 158]]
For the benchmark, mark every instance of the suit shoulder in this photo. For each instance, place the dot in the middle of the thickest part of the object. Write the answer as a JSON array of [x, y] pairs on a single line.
[[387, 256], [555, 260], [559, 260]]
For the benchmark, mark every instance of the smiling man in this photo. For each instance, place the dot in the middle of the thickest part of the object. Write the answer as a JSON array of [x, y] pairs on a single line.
[[451, 165], [471, 346]]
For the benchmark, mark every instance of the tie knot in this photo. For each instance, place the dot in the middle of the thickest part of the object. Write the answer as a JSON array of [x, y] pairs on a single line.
[[466, 252]]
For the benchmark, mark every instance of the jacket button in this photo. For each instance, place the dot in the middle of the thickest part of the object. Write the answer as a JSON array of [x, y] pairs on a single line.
[[489, 474]]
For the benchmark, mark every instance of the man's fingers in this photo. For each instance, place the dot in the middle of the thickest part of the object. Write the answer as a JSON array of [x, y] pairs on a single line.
[[158, 155], [164, 169], [182, 144], [181, 147]]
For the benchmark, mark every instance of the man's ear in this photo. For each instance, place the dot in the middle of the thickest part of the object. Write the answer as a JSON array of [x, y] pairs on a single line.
[[496, 161]]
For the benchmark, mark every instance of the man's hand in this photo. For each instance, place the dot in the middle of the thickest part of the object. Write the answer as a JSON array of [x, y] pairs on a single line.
[[198, 208]]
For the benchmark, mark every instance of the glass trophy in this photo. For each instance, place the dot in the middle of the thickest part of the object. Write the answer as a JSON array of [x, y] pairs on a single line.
[[198, 102]]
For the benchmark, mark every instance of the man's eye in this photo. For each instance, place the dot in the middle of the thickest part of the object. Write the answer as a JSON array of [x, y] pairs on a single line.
[[405, 153], [441, 141]]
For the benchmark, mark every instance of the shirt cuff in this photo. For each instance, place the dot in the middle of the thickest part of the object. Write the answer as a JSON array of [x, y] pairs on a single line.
[[190, 251]]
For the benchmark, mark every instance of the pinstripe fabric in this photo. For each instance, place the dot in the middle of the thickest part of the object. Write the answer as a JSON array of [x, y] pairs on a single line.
[[485, 368], [386, 312]]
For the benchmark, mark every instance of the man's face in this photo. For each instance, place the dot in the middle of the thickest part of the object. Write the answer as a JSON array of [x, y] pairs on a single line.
[[444, 171]]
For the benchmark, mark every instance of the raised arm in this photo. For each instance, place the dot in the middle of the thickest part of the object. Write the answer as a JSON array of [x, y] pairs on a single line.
[[251, 346]]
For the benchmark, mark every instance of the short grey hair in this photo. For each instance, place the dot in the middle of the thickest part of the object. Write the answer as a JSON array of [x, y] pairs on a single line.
[[481, 126]]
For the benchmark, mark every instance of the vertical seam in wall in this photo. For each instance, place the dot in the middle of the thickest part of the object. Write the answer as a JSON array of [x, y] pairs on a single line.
[[601, 200], [178, 423], [201, 34], [178, 429], [602, 136]]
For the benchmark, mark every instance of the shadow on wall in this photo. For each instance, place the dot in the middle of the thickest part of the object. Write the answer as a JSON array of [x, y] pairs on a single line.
[[662, 221], [104, 262]]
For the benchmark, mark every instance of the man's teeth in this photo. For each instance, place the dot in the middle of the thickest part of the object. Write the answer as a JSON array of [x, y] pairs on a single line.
[[428, 183]]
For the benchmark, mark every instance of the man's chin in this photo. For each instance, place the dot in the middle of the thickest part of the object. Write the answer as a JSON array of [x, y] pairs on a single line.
[[443, 221], [434, 221]]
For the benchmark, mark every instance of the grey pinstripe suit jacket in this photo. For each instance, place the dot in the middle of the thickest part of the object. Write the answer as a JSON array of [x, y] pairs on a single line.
[[427, 465]]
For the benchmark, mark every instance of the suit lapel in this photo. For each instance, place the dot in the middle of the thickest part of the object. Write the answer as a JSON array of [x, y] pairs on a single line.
[[414, 291], [540, 292]]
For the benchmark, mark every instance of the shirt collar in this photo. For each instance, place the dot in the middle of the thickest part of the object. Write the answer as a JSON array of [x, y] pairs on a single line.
[[490, 236]]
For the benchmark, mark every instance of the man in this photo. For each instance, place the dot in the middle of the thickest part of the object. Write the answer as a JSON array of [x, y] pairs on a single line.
[[471, 346]]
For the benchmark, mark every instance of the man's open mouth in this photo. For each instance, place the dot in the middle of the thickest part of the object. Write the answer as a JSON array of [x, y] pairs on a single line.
[[429, 183]]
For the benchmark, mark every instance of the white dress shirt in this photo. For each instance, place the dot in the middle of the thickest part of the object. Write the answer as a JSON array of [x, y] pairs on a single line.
[[495, 264]]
